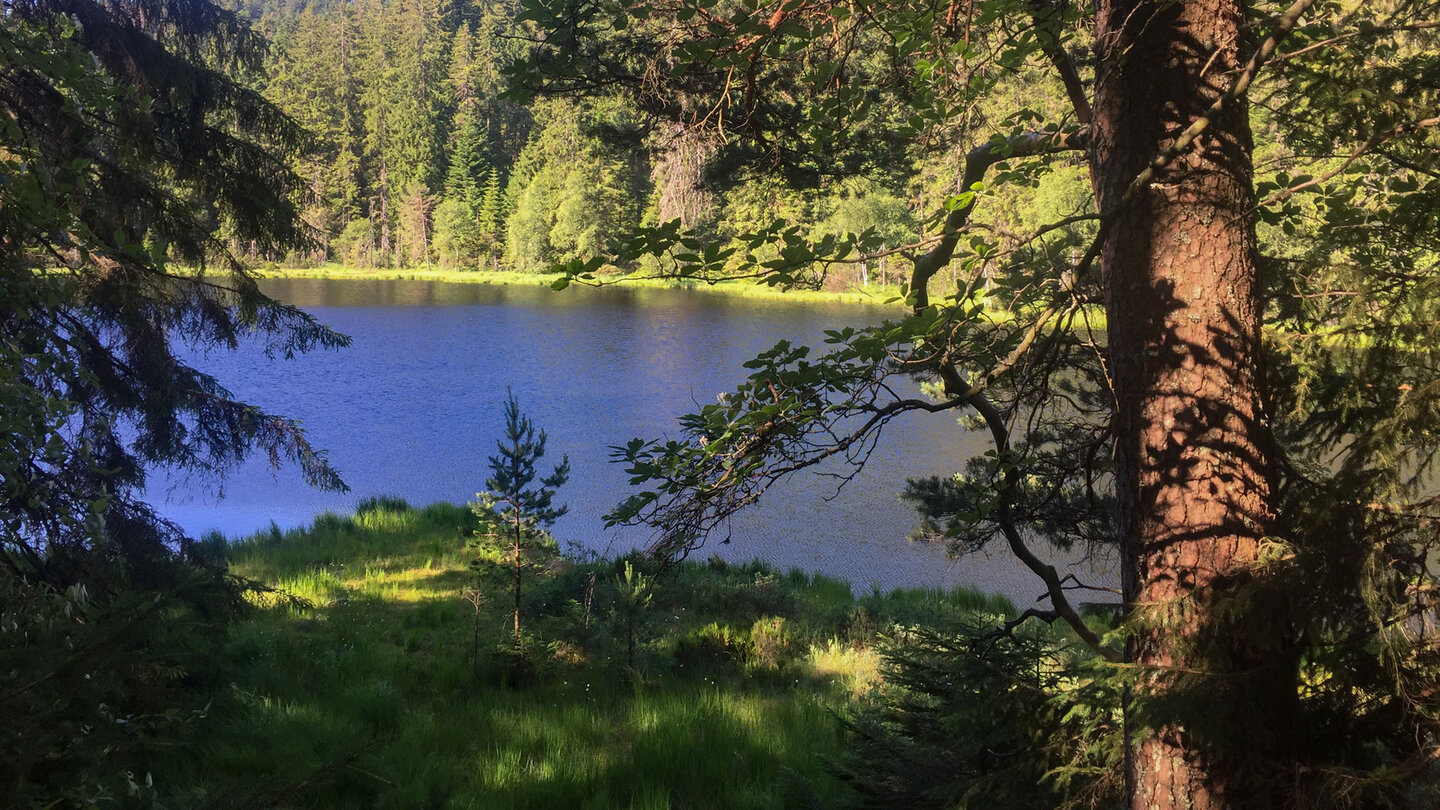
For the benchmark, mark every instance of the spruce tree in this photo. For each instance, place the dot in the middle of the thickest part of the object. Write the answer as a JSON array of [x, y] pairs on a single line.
[[513, 494], [136, 161], [494, 213]]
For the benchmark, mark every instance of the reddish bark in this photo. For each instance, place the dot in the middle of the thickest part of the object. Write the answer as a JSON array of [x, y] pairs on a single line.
[[1193, 453]]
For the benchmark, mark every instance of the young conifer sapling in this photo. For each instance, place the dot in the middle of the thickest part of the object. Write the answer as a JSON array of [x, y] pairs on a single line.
[[523, 504]]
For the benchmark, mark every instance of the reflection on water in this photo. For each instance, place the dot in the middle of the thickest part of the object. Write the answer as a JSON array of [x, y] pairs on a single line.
[[413, 408]]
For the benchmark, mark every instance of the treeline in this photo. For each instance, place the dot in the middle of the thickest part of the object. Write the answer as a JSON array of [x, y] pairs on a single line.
[[421, 160]]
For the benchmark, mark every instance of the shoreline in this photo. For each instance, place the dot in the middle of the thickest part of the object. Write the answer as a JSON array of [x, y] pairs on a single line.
[[874, 295]]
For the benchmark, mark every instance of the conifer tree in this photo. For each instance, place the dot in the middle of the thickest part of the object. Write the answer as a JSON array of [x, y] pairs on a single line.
[[523, 503], [457, 218], [494, 213], [312, 83], [119, 122], [135, 156]]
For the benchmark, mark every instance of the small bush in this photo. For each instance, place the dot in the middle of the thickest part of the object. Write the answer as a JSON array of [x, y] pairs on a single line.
[[712, 646], [519, 667], [770, 643]]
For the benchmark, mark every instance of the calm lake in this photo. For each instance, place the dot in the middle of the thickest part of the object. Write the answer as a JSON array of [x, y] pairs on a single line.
[[413, 408]]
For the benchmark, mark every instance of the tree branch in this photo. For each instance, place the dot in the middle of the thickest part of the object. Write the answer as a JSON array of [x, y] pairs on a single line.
[[1368, 32], [1054, 585], [977, 162], [1374, 141], [1047, 23]]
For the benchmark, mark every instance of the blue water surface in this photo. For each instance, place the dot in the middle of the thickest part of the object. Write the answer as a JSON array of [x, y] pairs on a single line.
[[413, 408]]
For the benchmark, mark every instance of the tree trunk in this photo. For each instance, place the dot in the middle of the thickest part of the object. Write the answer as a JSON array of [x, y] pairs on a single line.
[[630, 640], [589, 600], [517, 578], [1193, 452]]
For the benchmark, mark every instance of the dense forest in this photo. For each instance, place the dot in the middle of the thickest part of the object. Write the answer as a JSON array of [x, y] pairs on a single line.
[[422, 158]]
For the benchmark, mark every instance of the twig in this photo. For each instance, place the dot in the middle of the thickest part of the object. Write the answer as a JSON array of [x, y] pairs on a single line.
[[1374, 141]]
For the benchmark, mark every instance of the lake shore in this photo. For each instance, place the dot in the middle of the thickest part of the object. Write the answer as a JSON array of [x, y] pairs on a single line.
[[873, 295]]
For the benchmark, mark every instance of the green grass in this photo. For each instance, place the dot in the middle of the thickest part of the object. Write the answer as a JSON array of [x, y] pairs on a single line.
[[873, 294], [363, 690]]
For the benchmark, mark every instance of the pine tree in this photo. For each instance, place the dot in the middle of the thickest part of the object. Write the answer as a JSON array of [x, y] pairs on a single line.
[[98, 113], [467, 160], [134, 154], [311, 81], [509, 495], [494, 213], [457, 219]]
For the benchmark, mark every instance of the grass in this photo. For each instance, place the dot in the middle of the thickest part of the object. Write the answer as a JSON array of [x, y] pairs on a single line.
[[361, 688], [873, 294]]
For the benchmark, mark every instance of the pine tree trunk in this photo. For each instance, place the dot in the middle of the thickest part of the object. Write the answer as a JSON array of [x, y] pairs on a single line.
[[1193, 451], [630, 640], [517, 578], [589, 600]]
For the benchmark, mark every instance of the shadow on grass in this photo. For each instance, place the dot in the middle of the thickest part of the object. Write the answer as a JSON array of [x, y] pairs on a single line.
[[366, 701], [371, 695]]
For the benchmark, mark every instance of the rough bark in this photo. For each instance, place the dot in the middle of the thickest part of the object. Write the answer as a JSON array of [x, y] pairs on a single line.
[[1193, 454]]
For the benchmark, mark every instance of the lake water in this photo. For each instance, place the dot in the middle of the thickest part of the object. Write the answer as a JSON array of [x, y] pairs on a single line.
[[413, 408]]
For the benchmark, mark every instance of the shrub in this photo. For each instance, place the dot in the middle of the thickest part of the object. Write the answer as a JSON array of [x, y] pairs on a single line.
[[770, 643], [969, 717], [714, 646]]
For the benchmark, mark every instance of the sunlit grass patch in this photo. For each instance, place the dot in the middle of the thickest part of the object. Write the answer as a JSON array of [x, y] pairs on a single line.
[[855, 667], [382, 686]]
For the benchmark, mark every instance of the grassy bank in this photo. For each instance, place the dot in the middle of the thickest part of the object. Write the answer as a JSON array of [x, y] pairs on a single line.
[[874, 294], [366, 690]]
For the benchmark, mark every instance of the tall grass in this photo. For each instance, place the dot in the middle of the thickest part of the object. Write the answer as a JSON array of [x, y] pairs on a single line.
[[366, 694]]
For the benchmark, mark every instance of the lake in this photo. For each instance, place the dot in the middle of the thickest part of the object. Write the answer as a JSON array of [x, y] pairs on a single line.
[[413, 408]]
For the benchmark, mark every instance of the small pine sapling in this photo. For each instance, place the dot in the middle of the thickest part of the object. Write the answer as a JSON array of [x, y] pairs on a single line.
[[635, 595], [524, 510], [474, 594]]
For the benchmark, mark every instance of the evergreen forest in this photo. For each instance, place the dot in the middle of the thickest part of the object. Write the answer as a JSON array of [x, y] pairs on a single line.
[[423, 157]]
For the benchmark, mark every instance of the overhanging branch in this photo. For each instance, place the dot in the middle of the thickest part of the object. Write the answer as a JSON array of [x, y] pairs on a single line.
[[1054, 585], [977, 162]]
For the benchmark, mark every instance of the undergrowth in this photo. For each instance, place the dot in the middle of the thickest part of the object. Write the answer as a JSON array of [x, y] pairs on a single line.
[[370, 678]]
